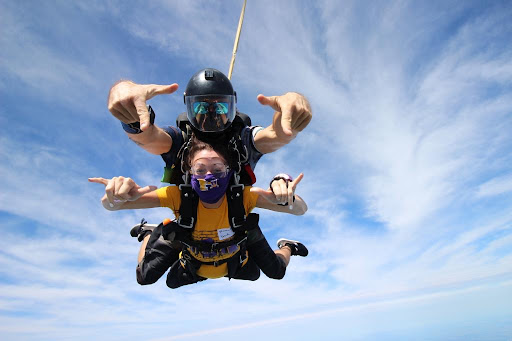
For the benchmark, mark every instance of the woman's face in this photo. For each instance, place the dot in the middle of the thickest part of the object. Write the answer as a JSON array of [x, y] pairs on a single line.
[[208, 161]]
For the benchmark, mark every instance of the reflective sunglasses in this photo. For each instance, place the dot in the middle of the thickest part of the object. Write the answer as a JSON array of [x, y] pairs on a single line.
[[220, 108]]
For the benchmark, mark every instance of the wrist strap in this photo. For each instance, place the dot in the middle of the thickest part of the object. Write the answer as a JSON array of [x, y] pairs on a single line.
[[286, 203], [134, 127], [281, 176]]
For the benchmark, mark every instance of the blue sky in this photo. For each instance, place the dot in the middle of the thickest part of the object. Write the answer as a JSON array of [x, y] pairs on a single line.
[[407, 165]]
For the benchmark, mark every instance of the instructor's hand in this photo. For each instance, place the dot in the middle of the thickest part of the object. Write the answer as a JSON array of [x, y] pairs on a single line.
[[293, 112], [127, 100]]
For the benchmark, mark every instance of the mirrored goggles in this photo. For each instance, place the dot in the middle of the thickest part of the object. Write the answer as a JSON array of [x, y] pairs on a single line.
[[220, 108], [211, 113]]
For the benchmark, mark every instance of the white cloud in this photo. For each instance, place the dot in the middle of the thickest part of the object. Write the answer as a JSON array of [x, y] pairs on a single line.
[[391, 160], [496, 186]]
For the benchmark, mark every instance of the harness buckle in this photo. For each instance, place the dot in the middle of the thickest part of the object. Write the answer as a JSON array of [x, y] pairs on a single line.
[[241, 241], [213, 246], [185, 224], [187, 188], [238, 224], [237, 187], [243, 257]]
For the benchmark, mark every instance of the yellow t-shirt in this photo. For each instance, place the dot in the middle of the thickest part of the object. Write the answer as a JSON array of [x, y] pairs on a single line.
[[212, 224]]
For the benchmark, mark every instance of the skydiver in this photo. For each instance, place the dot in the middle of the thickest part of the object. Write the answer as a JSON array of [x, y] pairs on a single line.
[[213, 247]]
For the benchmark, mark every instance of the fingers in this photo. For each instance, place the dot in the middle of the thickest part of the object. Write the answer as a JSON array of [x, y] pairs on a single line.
[[291, 189], [118, 189], [294, 112], [271, 101], [286, 122], [280, 189], [286, 117], [109, 192], [139, 104], [124, 187], [105, 182], [98, 180], [284, 191], [294, 108], [122, 115], [121, 98], [127, 100], [155, 90], [151, 91], [301, 121], [295, 182]]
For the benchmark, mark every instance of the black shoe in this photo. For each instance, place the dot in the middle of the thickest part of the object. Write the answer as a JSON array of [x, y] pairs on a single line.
[[298, 249], [142, 229]]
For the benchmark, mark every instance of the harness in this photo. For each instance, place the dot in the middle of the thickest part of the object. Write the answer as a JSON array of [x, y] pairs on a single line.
[[179, 232], [174, 171]]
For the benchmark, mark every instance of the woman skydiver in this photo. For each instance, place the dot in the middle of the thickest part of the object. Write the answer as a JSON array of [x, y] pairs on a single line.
[[196, 259]]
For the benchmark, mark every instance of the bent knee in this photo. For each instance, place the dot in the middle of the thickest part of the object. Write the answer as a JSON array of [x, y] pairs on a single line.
[[143, 278], [277, 274], [278, 269]]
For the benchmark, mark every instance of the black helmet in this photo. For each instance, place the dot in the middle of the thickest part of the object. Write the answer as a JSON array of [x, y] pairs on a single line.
[[210, 101]]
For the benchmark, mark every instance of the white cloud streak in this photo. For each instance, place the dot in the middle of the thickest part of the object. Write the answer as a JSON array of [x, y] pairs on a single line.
[[406, 164]]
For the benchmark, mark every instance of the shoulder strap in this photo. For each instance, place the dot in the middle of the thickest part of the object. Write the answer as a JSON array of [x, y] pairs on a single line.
[[190, 201], [188, 207], [237, 150], [236, 209]]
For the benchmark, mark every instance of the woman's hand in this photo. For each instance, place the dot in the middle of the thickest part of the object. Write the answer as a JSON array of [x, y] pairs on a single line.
[[119, 190], [282, 191]]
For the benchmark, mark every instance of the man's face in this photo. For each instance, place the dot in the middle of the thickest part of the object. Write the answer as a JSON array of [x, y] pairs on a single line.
[[211, 113]]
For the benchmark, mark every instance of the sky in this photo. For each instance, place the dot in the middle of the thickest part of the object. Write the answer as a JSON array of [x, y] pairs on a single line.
[[407, 168]]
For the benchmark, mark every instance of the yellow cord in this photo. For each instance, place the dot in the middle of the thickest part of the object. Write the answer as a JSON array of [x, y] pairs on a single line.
[[235, 47]]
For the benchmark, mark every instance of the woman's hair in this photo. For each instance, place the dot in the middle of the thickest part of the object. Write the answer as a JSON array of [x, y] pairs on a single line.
[[197, 145]]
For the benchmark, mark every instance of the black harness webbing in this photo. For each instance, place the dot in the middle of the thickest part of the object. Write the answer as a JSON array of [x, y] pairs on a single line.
[[238, 153], [234, 263], [180, 231], [188, 207]]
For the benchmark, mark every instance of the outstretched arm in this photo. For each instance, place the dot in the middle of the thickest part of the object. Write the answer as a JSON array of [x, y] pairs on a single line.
[[123, 193], [272, 199], [127, 103], [292, 114]]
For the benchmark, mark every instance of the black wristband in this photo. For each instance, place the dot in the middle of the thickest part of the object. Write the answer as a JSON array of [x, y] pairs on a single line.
[[286, 203], [281, 176], [134, 127]]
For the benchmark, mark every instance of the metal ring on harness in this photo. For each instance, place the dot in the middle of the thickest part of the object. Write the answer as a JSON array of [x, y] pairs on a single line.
[[185, 225]]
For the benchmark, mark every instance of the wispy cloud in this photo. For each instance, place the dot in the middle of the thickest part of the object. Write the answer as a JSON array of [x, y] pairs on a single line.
[[406, 161], [496, 186]]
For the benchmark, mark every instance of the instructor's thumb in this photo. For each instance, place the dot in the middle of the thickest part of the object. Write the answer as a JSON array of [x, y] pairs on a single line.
[[271, 101]]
